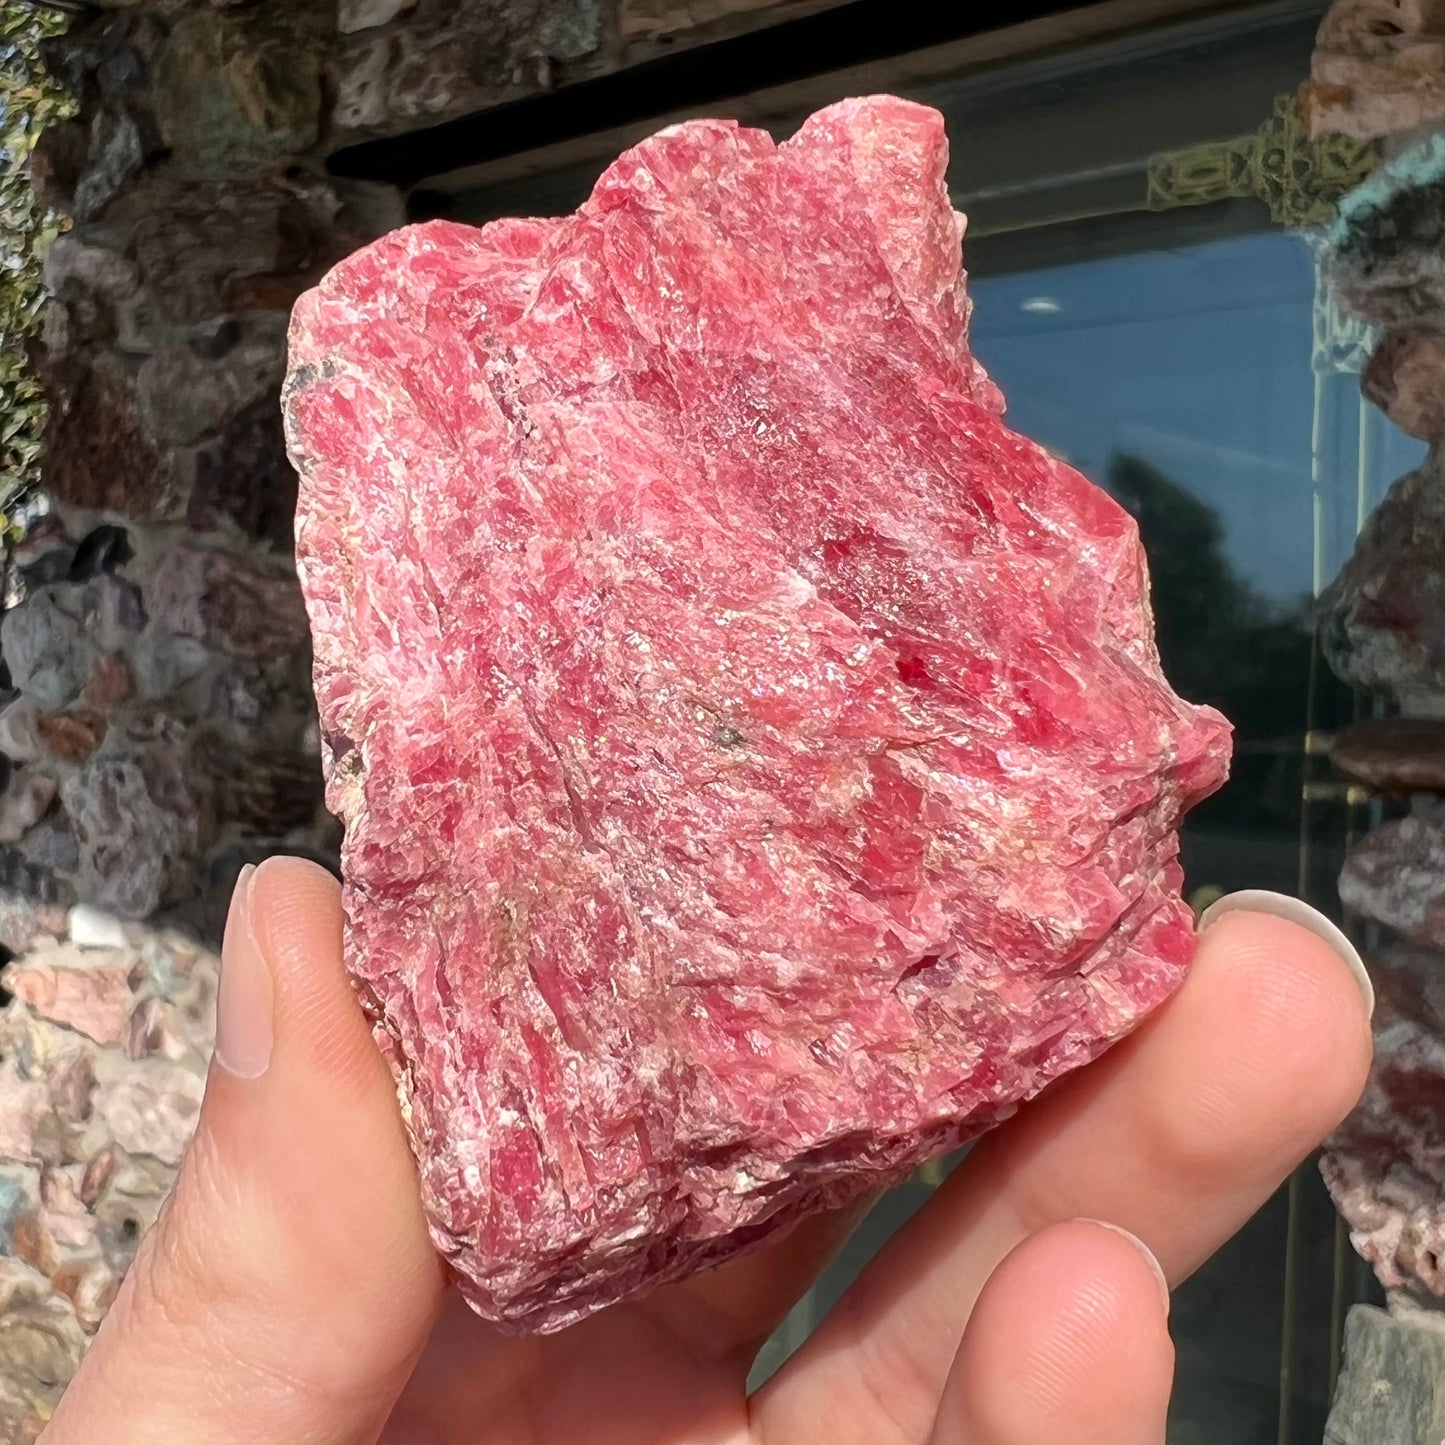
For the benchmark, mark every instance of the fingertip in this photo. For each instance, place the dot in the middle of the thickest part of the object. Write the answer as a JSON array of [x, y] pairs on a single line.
[[1088, 1276], [1300, 986], [1141, 1249], [330, 1107], [296, 909], [296, 918], [1069, 1340], [1259, 902], [1263, 1051]]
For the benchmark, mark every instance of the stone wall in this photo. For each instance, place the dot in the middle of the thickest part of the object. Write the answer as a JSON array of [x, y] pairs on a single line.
[[1379, 72], [102, 1064], [163, 735]]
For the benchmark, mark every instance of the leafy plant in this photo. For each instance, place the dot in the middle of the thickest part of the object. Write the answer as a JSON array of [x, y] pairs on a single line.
[[29, 101]]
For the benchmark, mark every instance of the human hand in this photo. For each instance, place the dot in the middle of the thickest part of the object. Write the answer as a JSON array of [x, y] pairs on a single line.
[[289, 1295]]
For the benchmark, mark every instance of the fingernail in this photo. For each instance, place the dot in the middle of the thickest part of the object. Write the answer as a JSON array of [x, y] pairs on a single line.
[[1296, 910], [245, 1024], [1143, 1249]]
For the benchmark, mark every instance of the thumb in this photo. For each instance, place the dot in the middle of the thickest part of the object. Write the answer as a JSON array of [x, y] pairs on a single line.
[[289, 1284]]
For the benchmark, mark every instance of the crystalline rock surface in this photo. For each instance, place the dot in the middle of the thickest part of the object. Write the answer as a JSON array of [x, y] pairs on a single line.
[[757, 772]]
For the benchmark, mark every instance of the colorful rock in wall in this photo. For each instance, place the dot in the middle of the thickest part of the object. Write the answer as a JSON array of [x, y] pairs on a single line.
[[103, 1053], [1377, 68], [1380, 70]]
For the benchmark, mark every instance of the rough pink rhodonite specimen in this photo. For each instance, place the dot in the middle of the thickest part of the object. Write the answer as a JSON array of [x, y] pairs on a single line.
[[756, 767]]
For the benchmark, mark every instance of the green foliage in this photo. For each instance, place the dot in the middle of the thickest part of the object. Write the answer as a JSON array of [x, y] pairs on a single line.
[[29, 101]]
